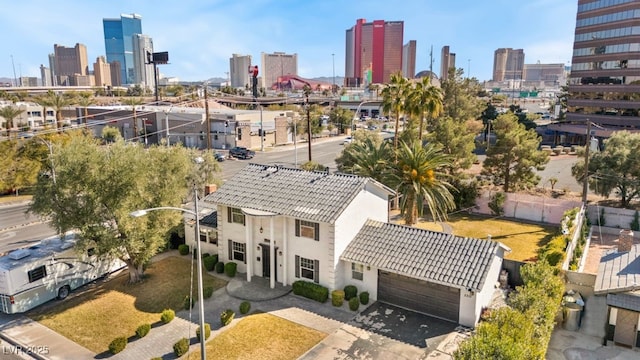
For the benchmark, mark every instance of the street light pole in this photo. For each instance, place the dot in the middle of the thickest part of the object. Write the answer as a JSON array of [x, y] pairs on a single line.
[[333, 61]]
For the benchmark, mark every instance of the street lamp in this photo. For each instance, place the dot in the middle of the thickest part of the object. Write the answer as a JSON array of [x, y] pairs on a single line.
[[143, 212], [50, 147], [333, 61]]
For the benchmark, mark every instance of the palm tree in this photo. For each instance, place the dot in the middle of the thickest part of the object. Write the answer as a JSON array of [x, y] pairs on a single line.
[[85, 99], [371, 160], [133, 101], [9, 113], [425, 101], [393, 100], [43, 100], [416, 180], [59, 101]]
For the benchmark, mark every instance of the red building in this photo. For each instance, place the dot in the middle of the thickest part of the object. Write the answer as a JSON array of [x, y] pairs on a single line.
[[373, 52]]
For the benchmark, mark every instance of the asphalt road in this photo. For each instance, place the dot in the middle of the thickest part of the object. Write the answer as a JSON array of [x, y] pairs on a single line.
[[15, 215]]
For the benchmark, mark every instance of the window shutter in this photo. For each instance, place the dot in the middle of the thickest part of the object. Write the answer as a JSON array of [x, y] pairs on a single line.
[[297, 227], [245, 253], [297, 266], [228, 214], [317, 231], [316, 271], [230, 250]]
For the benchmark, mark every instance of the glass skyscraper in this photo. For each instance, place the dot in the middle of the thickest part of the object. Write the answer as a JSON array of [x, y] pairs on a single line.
[[118, 43]]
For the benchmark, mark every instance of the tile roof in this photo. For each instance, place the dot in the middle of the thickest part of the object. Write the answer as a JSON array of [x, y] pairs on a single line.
[[629, 301], [618, 271], [422, 254], [312, 195], [210, 220]]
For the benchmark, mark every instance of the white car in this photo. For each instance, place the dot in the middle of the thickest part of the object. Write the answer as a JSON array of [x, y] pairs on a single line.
[[347, 140]]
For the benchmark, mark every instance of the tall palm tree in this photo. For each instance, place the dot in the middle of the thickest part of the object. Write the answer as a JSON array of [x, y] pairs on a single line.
[[9, 113], [43, 100], [393, 100], [133, 101], [417, 181], [59, 101], [85, 99], [425, 101]]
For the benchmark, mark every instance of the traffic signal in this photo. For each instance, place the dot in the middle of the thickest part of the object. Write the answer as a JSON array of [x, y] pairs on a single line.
[[259, 132], [201, 135]]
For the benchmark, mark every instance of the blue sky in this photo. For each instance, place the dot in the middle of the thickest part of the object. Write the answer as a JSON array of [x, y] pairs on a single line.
[[201, 35]]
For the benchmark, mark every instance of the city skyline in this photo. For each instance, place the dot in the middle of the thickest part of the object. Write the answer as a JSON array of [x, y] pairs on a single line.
[[201, 38]]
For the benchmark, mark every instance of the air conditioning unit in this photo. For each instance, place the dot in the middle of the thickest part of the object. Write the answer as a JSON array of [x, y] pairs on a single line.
[[19, 254]]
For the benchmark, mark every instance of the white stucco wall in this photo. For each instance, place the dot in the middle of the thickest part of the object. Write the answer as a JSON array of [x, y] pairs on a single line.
[[471, 305], [368, 283]]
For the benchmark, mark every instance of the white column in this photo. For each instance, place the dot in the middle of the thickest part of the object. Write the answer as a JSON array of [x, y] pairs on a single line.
[[272, 255], [248, 246], [285, 240]]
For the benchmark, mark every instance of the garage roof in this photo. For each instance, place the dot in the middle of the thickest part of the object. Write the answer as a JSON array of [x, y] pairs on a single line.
[[629, 301], [618, 272], [422, 254]]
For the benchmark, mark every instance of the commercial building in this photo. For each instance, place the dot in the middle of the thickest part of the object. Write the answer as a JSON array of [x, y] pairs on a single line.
[[102, 72], [69, 62], [277, 65], [447, 61], [118, 43], [238, 70], [409, 59], [373, 52], [144, 75], [45, 75], [508, 64], [547, 73], [604, 82]]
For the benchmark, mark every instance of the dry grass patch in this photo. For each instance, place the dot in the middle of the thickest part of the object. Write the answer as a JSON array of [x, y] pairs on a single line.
[[11, 198], [262, 336], [115, 308]]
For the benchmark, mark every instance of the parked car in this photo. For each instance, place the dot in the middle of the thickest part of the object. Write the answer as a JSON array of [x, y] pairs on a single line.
[[219, 157], [241, 153], [347, 140]]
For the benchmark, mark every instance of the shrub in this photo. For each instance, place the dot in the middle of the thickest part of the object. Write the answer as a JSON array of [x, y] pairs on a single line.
[[354, 303], [230, 269], [143, 330], [188, 302], [350, 292], [205, 255], [226, 317], [337, 298], [219, 267], [210, 262], [635, 223], [554, 250], [207, 292], [118, 344], [183, 249], [496, 204], [207, 331], [364, 298], [311, 290], [181, 347], [245, 306], [167, 315]]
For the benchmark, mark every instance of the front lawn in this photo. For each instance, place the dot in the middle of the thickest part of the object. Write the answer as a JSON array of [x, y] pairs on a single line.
[[115, 308], [524, 239], [262, 336]]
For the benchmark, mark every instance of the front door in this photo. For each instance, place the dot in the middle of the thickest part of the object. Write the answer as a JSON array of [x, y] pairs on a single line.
[[266, 261], [626, 327]]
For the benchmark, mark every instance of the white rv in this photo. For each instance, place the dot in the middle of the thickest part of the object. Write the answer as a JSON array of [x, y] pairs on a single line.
[[50, 269]]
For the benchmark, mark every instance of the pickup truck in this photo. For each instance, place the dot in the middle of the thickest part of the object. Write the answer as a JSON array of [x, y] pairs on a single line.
[[241, 152]]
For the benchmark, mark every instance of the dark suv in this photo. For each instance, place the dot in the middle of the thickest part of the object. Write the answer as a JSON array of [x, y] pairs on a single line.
[[241, 153]]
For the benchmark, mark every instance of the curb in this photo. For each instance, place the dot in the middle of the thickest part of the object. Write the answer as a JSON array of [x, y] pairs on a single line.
[[17, 345]]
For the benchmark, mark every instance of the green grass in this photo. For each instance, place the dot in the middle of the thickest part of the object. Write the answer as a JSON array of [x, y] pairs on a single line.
[[524, 239], [262, 336], [115, 308]]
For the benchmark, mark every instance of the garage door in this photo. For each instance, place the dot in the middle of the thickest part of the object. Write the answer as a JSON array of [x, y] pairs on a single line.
[[419, 295]]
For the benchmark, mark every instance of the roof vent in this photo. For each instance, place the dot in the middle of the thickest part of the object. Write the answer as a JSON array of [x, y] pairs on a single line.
[[66, 245], [19, 254]]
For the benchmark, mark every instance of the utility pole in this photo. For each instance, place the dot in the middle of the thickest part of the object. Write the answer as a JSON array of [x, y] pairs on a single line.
[[15, 79], [585, 180], [306, 92], [207, 120]]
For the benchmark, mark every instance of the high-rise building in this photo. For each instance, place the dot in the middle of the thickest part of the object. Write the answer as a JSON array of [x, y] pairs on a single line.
[[70, 62], [605, 70], [45, 75], [52, 68], [239, 70], [277, 65], [409, 59], [102, 72], [548, 73], [118, 43], [508, 64], [115, 69], [143, 45], [447, 61], [373, 52]]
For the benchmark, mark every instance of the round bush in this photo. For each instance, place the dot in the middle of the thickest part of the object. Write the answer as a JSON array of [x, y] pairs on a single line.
[[245, 306], [354, 303], [205, 255], [364, 298], [207, 331], [183, 249], [220, 267], [230, 269], [210, 262], [118, 344], [188, 302], [207, 292], [226, 317], [143, 330], [337, 298], [181, 347], [350, 292], [167, 315]]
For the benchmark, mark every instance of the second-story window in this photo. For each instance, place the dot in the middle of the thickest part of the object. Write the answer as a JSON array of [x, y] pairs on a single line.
[[235, 215], [308, 229]]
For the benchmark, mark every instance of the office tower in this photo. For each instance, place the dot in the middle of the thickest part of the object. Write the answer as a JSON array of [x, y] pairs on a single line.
[[143, 45], [508, 64], [409, 59], [277, 65], [116, 72], [447, 61], [70, 62], [45, 75], [118, 43], [373, 52], [102, 71], [605, 72], [549, 73], [239, 70]]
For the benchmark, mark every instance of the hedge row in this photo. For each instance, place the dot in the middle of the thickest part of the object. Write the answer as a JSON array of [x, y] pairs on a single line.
[[311, 290]]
